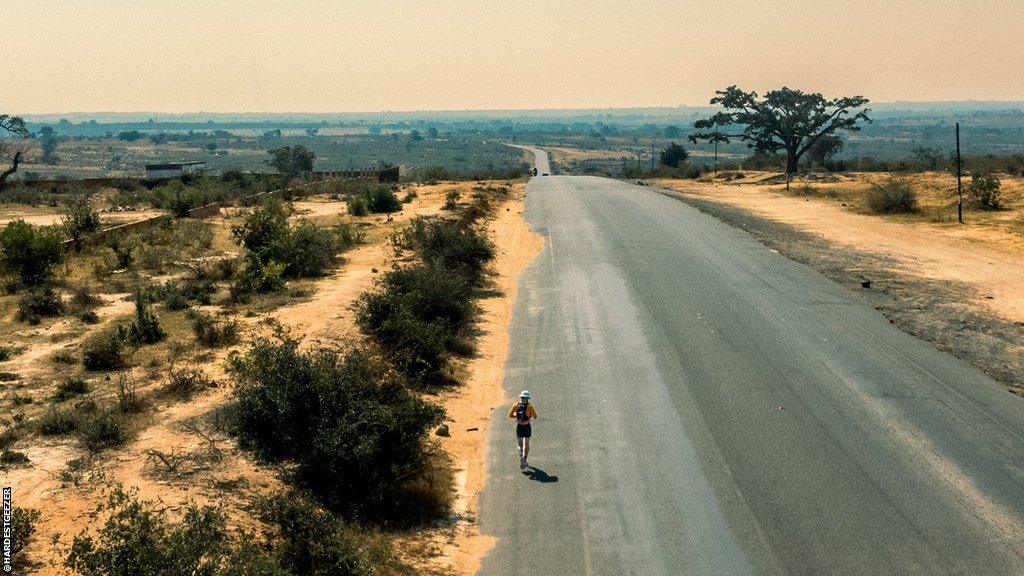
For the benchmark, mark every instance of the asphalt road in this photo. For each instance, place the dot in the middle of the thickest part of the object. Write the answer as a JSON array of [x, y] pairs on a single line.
[[708, 406]]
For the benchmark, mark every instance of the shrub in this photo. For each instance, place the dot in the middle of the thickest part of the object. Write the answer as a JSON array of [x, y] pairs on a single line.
[[5, 354], [70, 388], [106, 350], [985, 191], [39, 303], [145, 329], [307, 251], [56, 421], [357, 205], [417, 315], [256, 276], [23, 527], [129, 401], [89, 316], [12, 458], [21, 400], [106, 429], [82, 298], [382, 200], [451, 200], [180, 295], [179, 198], [79, 219], [894, 196], [185, 382], [356, 432], [264, 227], [409, 196], [453, 245], [30, 252], [138, 539], [310, 541], [348, 234], [214, 332]]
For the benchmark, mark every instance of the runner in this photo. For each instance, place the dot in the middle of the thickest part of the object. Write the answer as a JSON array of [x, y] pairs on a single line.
[[523, 412]]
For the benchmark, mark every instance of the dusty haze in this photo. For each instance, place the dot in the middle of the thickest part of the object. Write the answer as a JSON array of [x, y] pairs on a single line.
[[361, 55]]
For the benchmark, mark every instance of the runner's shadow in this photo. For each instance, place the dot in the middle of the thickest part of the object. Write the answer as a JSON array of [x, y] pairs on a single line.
[[538, 475]]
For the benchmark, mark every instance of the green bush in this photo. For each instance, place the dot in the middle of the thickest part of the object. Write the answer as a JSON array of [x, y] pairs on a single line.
[[450, 244], [307, 250], [985, 191], [136, 539], [264, 226], [89, 316], [106, 350], [105, 429], [145, 328], [23, 527], [349, 234], [417, 315], [894, 196], [185, 382], [356, 432], [56, 421], [179, 198], [257, 277], [5, 354], [382, 199], [30, 252], [70, 388], [180, 295], [12, 458], [39, 303], [79, 219], [310, 541], [214, 332], [357, 205], [451, 200]]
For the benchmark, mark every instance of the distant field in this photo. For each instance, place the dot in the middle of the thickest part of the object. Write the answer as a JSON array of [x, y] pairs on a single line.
[[93, 157]]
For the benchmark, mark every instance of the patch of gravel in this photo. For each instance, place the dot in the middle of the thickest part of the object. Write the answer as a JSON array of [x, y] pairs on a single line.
[[940, 312]]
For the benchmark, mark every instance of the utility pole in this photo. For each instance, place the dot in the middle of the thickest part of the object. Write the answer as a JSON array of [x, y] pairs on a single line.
[[959, 179]]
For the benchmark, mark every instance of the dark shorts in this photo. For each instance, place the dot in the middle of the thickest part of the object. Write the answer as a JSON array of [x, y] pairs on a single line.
[[524, 430]]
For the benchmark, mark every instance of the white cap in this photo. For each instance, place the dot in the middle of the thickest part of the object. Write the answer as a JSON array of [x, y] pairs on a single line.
[[525, 394]]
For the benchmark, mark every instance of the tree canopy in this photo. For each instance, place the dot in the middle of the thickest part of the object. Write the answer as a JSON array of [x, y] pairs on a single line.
[[783, 119], [16, 126], [673, 155], [292, 160]]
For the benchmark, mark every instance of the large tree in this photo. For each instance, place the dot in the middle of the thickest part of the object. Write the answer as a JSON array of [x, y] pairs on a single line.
[[292, 160], [12, 152], [783, 119]]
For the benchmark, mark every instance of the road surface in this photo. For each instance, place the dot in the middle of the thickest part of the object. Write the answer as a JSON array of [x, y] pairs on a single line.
[[708, 406]]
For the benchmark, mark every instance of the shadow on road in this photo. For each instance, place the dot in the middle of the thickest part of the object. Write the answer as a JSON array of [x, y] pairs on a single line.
[[538, 475]]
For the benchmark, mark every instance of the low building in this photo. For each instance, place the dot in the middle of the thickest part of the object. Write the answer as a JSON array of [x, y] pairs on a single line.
[[174, 169]]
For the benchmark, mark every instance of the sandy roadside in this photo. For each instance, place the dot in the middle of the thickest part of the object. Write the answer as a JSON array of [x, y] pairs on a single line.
[[470, 407]]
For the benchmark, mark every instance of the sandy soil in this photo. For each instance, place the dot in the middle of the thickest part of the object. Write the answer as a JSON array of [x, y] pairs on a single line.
[[212, 469], [960, 287]]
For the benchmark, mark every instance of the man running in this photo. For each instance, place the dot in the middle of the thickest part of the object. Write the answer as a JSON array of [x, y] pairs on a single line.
[[523, 412]]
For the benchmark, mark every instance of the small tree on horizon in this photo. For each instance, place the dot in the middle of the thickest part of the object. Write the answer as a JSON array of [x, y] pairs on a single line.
[[673, 155], [783, 119]]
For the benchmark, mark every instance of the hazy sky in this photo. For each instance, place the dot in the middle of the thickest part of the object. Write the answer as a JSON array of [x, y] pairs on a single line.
[[363, 55]]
